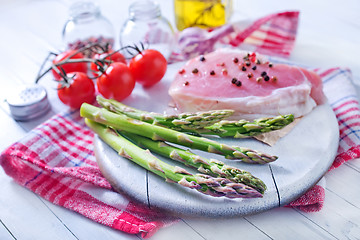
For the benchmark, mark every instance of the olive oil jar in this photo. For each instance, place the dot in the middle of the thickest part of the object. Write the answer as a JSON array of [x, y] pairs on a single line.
[[202, 13]]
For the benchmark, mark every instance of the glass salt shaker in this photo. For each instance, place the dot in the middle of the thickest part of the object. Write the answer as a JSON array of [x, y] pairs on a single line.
[[87, 25], [147, 26]]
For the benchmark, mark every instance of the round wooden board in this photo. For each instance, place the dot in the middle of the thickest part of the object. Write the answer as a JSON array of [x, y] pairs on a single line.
[[305, 154]]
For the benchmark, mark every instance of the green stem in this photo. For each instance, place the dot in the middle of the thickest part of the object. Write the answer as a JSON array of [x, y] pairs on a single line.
[[207, 166], [202, 123], [205, 184], [122, 122]]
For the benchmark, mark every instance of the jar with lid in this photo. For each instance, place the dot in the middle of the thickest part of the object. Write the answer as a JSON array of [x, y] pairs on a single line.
[[87, 25], [147, 26]]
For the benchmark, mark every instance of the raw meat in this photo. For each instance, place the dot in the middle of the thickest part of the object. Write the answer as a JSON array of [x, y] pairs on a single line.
[[247, 83]]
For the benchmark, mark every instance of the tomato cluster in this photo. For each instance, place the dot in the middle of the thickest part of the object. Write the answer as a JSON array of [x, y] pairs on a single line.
[[115, 78]]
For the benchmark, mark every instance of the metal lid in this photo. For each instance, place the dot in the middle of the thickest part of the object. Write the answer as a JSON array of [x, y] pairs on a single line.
[[28, 102]]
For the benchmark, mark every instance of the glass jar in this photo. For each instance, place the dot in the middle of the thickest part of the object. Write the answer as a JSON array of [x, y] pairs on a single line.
[[87, 25], [147, 26], [202, 13]]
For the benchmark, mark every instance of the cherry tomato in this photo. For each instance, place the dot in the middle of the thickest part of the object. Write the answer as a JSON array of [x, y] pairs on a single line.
[[80, 89], [116, 82], [148, 67], [112, 56], [69, 67]]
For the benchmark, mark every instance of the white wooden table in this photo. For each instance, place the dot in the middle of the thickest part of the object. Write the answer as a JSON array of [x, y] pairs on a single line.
[[328, 36]]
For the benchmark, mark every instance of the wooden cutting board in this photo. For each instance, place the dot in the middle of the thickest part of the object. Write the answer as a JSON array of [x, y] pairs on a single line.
[[305, 154]]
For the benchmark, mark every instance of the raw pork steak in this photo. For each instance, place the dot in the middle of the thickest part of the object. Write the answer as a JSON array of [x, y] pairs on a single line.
[[247, 83]]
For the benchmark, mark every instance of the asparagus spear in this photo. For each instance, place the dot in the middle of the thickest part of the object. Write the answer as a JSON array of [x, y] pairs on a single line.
[[209, 123], [206, 184], [177, 122], [244, 129], [207, 166], [122, 122]]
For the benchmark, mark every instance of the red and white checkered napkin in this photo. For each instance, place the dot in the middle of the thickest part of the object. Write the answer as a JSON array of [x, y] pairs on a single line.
[[342, 97], [56, 160], [271, 35]]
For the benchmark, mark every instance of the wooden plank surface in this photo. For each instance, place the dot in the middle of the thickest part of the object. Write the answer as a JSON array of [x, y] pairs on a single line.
[[83, 228], [344, 183], [21, 210], [327, 37]]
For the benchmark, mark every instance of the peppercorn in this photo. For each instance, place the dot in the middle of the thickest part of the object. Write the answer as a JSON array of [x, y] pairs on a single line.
[[186, 83], [248, 64], [252, 57], [243, 69], [212, 73], [195, 70], [202, 58], [274, 78], [254, 68], [250, 75], [266, 78], [235, 60], [270, 65], [236, 82], [263, 74], [182, 71]]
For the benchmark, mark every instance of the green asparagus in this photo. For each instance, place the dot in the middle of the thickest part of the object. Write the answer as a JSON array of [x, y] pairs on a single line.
[[202, 123], [207, 166], [177, 122], [122, 122], [206, 184], [244, 129]]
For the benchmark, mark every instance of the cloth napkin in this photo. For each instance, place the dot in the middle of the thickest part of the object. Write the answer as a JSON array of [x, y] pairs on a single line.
[[342, 97], [56, 159]]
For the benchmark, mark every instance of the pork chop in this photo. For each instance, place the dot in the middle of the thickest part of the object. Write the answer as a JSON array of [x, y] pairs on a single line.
[[247, 83]]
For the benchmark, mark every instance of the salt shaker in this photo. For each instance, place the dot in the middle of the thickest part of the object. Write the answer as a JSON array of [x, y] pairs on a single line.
[[147, 26], [28, 102], [87, 25]]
